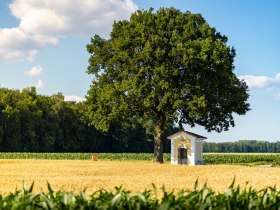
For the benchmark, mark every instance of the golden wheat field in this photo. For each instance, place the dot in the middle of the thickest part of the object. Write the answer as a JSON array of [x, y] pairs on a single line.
[[135, 176]]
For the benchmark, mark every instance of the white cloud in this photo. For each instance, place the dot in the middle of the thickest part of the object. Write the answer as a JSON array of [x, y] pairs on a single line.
[[43, 21], [74, 98], [36, 70], [40, 84], [254, 81], [260, 81], [277, 77], [18, 44], [64, 17]]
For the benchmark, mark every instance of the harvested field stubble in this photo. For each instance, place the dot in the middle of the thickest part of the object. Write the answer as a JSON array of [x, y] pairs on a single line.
[[134, 176]]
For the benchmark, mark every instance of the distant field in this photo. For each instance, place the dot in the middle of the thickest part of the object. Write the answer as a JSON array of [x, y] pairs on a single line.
[[132, 175], [209, 158], [242, 158]]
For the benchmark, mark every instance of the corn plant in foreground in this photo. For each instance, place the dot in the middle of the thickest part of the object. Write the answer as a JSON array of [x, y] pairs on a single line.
[[204, 198]]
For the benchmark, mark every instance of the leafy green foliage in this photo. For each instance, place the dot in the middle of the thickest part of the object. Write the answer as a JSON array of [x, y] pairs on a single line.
[[205, 198], [166, 63], [30, 122], [164, 66]]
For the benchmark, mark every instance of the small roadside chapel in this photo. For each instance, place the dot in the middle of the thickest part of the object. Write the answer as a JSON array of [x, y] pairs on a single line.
[[186, 148]]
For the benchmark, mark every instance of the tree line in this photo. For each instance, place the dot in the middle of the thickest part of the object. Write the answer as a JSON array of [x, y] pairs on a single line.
[[247, 146], [30, 122]]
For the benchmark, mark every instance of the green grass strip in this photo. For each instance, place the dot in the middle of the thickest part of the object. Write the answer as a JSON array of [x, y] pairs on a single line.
[[229, 158]]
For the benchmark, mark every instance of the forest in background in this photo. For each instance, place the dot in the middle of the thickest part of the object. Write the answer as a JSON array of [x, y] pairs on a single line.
[[30, 122], [242, 146]]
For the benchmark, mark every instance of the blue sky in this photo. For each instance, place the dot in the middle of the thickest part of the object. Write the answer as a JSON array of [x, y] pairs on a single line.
[[42, 44]]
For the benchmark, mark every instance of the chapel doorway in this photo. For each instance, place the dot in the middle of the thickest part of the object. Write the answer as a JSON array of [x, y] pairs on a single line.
[[182, 156]]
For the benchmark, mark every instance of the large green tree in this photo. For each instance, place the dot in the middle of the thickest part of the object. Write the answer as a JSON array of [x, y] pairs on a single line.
[[164, 66]]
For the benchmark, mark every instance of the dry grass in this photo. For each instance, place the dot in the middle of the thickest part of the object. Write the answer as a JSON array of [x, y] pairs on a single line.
[[135, 176]]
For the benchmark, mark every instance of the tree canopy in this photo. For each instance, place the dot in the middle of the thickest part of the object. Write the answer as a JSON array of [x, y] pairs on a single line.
[[164, 66]]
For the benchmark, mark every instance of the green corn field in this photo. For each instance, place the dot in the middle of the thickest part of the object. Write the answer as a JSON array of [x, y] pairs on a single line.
[[211, 158]]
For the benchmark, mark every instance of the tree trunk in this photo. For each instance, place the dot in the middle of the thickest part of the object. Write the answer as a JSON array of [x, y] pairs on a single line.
[[158, 138]]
